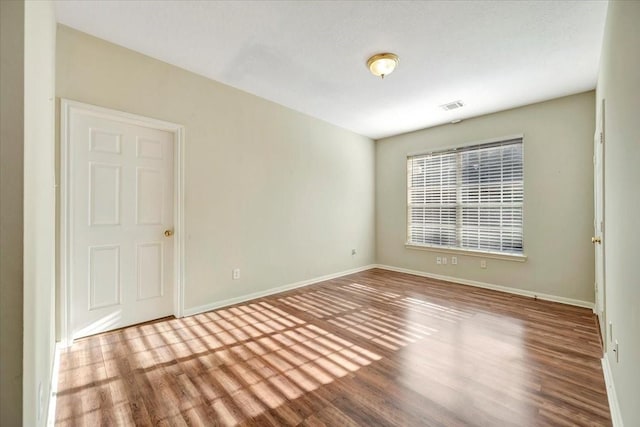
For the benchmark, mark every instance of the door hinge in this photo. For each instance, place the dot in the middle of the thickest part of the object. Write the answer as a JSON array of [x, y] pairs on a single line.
[[601, 137]]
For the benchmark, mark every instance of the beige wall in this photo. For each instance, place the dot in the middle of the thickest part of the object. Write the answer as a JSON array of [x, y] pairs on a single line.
[[28, 211], [558, 211], [276, 193], [619, 85], [11, 184], [39, 209]]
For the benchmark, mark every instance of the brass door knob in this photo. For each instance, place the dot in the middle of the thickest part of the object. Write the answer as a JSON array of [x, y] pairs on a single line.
[[168, 233], [596, 240]]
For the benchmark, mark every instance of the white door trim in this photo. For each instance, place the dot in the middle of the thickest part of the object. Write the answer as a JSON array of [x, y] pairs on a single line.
[[67, 107], [600, 306]]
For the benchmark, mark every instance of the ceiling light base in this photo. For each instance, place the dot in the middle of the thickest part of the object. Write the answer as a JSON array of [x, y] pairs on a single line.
[[382, 64]]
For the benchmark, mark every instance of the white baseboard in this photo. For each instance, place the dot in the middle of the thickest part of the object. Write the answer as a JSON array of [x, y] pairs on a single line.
[[491, 286], [272, 291], [243, 298], [51, 411], [616, 416]]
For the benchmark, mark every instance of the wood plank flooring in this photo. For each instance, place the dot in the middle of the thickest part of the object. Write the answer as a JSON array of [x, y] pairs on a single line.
[[376, 348]]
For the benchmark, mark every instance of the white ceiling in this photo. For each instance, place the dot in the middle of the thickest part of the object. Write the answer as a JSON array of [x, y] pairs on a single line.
[[311, 55]]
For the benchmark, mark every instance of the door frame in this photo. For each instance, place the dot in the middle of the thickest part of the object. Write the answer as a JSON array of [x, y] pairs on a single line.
[[67, 109], [600, 306]]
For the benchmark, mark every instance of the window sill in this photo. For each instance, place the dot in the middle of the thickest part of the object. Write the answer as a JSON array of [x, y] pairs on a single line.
[[491, 255]]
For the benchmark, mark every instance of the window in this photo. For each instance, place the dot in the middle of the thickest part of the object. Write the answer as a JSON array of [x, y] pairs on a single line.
[[467, 198]]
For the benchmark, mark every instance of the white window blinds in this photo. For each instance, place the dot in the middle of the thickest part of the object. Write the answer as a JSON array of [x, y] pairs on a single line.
[[469, 198]]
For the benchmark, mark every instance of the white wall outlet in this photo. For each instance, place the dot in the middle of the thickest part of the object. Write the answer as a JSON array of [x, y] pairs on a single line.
[[454, 260], [353, 251], [444, 260], [616, 350], [438, 260], [235, 274], [483, 263]]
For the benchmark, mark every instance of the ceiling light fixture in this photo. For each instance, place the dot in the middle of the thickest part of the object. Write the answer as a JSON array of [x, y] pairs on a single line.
[[382, 64]]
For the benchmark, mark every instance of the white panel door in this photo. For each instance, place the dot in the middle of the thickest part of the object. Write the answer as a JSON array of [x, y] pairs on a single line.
[[121, 204]]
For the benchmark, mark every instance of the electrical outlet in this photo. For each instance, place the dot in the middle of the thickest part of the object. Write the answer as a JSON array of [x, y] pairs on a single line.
[[438, 260], [616, 350], [483, 263], [454, 260], [353, 251], [444, 260], [235, 274]]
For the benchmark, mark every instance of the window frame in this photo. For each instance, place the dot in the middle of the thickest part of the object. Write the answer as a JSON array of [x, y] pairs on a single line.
[[519, 257]]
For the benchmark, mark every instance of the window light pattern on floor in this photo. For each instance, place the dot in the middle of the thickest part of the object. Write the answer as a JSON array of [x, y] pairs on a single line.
[[236, 362], [373, 348]]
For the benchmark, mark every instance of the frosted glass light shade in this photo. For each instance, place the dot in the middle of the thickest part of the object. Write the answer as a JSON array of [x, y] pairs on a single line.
[[382, 64]]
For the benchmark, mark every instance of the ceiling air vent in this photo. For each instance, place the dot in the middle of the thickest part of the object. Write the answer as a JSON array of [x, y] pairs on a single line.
[[452, 105]]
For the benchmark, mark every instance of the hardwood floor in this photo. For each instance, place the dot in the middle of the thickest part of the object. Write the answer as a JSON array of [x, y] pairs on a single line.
[[375, 348]]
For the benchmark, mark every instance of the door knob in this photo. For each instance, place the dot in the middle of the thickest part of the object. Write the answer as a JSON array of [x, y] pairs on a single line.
[[168, 233], [596, 240]]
